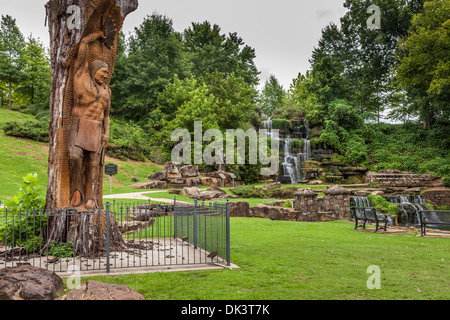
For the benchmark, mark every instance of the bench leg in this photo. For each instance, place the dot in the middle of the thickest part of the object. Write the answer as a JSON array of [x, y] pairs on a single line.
[[356, 224], [424, 230]]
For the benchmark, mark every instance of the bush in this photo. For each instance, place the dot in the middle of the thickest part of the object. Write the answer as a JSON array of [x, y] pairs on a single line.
[[60, 249], [33, 244], [382, 205], [287, 204], [281, 124], [248, 192], [273, 192], [128, 141], [34, 130], [23, 213], [446, 181]]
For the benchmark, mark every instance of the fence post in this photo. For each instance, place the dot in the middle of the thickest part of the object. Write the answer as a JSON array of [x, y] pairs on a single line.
[[228, 233], [174, 217], [195, 224], [107, 238]]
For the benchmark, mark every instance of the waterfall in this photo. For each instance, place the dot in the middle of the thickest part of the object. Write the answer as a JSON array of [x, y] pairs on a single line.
[[356, 201], [360, 201], [268, 126], [291, 162], [410, 209]]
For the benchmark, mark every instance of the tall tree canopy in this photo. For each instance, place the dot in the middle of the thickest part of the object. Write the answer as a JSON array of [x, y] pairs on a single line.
[[271, 97], [155, 54], [366, 58], [12, 59], [424, 70], [210, 51]]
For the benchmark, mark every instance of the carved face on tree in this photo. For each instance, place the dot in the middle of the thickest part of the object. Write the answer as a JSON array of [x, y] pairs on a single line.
[[101, 76], [99, 72]]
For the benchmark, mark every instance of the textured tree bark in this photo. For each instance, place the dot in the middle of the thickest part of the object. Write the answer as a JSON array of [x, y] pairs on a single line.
[[69, 22]]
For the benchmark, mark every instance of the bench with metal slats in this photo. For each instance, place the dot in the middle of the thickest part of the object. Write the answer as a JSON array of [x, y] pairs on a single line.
[[433, 217], [369, 214]]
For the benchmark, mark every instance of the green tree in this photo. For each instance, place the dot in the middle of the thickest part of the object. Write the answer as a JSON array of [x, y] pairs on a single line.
[[12, 44], [424, 69], [271, 97], [373, 51], [366, 58], [155, 54], [211, 51], [36, 84], [218, 101]]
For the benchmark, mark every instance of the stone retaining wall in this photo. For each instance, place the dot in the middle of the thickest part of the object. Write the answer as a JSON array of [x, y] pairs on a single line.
[[334, 205], [440, 197]]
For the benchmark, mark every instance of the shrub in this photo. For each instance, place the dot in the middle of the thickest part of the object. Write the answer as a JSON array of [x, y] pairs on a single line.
[[128, 141], [33, 244], [60, 249], [273, 192], [287, 204], [446, 181], [34, 130], [23, 216], [281, 124], [248, 192], [382, 205]]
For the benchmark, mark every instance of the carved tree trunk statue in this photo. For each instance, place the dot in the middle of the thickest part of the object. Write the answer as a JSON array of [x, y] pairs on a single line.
[[83, 50]]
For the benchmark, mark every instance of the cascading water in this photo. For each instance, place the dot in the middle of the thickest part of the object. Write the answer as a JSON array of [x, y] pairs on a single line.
[[268, 126], [409, 209], [291, 162], [360, 201]]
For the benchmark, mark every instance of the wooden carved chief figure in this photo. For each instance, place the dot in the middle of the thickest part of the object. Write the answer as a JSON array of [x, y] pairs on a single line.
[[89, 131], [83, 49]]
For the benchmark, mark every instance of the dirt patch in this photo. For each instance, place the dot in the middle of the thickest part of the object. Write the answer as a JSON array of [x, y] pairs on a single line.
[[436, 235], [22, 154]]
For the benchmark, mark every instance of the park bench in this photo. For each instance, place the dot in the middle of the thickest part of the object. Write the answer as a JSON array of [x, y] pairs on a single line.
[[369, 214], [433, 217]]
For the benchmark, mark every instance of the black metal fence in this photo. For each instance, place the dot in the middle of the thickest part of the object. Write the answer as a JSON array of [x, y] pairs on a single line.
[[123, 235]]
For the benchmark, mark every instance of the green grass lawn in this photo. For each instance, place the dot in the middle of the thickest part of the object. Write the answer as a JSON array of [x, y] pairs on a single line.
[[277, 259], [281, 260]]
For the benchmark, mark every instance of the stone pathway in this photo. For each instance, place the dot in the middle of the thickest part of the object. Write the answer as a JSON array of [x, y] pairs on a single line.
[[140, 196]]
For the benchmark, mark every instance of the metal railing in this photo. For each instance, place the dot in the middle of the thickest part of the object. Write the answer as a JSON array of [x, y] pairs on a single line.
[[123, 235]]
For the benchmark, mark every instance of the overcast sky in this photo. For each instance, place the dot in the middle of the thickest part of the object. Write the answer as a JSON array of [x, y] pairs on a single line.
[[283, 32]]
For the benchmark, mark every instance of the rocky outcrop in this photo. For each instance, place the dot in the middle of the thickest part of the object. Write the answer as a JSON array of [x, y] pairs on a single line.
[[150, 185], [177, 176], [29, 283], [239, 209], [189, 171], [193, 192], [94, 290], [209, 194]]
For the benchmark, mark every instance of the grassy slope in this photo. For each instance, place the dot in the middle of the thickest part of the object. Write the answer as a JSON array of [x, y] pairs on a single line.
[[283, 260], [18, 157]]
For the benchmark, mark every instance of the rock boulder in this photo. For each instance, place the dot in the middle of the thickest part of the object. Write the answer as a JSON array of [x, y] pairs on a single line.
[[29, 283], [94, 290]]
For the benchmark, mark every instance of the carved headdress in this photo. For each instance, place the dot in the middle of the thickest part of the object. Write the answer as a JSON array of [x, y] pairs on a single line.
[[97, 65]]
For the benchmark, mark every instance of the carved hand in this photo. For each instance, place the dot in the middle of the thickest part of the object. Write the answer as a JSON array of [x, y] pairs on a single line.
[[105, 139]]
